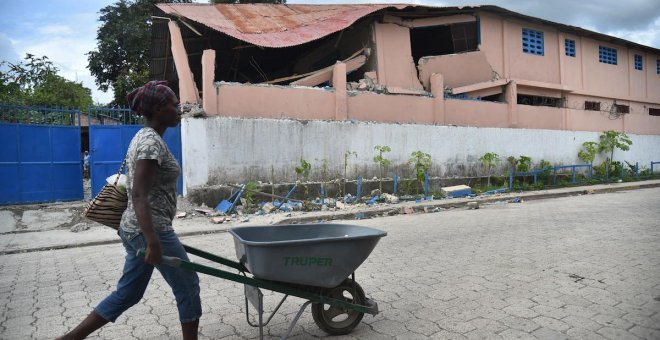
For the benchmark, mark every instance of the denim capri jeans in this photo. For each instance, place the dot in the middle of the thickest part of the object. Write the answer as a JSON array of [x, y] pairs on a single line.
[[137, 273]]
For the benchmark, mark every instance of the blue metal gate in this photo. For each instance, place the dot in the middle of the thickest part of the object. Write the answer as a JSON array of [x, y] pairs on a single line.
[[40, 158], [110, 133]]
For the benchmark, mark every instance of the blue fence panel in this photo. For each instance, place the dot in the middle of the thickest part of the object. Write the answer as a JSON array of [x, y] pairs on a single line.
[[110, 133], [39, 163]]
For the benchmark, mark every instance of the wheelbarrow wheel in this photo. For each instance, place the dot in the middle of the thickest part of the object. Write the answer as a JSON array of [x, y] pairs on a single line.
[[336, 320]]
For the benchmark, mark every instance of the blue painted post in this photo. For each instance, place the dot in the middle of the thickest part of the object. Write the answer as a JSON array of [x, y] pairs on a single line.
[[510, 178], [607, 171], [359, 188], [322, 195], [426, 185], [591, 173], [396, 182], [573, 167], [637, 169], [536, 174], [554, 175]]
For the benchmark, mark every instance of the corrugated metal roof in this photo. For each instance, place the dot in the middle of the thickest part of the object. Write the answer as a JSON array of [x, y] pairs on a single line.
[[271, 25]]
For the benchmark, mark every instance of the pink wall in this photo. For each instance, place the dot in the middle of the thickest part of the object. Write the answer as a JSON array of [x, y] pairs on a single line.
[[456, 69], [395, 63], [641, 124], [581, 120], [540, 117], [274, 102], [388, 108], [475, 113]]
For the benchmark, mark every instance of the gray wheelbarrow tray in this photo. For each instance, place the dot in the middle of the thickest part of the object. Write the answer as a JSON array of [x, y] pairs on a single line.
[[309, 261]]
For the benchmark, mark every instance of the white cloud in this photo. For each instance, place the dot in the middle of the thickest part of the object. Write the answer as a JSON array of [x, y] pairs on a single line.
[[7, 50], [55, 30]]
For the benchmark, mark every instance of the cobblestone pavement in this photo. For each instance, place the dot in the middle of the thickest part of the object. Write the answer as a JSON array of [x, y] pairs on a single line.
[[584, 267]]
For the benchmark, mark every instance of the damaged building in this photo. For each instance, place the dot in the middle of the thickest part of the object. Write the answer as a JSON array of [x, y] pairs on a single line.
[[480, 66]]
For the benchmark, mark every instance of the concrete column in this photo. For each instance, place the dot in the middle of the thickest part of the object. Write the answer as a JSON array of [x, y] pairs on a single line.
[[209, 91], [341, 98], [511, 95], [438, 92], [188, 92]]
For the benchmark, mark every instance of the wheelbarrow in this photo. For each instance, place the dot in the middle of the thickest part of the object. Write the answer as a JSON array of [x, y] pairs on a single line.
[[309, 261]]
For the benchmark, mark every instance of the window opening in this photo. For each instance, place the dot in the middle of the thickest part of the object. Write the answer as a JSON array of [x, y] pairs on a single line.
[[654, 112], [621, 108], [592, 106], [638, 62], [569, 47], [532, 41], [442, 40], [607, 55], [540, 101], [657, 66]]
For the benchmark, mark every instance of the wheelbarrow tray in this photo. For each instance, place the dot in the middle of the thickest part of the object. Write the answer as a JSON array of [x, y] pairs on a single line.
[[321, 255]]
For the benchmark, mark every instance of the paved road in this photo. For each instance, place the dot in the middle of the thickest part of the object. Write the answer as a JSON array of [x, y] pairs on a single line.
[[584, 267]]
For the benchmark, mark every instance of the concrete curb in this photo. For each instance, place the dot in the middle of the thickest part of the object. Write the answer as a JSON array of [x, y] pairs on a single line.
[[390, 210], [420, 207]]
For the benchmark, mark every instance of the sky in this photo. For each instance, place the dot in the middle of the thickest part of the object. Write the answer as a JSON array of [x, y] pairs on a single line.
[[65, 30]]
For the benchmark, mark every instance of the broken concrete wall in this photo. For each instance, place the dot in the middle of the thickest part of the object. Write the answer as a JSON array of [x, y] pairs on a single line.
[[394, 57], [223, 150], [457, 69]]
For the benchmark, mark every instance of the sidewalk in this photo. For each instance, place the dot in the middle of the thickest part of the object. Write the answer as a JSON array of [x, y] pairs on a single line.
[[34, 239]]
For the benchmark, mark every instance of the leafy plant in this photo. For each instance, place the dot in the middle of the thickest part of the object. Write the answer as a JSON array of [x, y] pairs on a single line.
[[421, 162], [303, 169], [547, 169], [382, 162], [489, 160], [524, 164], [611, 140], [589, 152]]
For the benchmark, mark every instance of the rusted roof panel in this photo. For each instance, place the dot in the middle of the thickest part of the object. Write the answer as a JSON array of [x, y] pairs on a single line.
[[271, 25]]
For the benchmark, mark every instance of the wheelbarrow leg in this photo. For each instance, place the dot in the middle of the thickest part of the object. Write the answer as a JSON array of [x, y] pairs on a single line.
[[293, 323]]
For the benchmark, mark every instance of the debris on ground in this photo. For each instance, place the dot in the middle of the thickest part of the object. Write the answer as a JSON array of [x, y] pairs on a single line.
[[473, 205], [407, 210], [457, 191], [181, 214], [391, 199], [79, 227], [218, 219]]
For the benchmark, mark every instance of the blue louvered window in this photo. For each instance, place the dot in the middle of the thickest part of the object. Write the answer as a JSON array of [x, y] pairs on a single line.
[[639, 64], [569, 47], [532, 41], [607, 55]]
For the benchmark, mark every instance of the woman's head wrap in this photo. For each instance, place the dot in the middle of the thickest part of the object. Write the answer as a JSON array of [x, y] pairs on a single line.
[[143, 99]]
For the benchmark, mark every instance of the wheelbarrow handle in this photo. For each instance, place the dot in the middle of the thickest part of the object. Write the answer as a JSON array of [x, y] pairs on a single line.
[[166, 260]]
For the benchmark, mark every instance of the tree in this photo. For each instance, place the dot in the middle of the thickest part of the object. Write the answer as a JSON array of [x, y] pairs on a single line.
[[382, 162], [36, 82], [489, 160], [589, 152], [421, 162], [610, 140], [121, 58]]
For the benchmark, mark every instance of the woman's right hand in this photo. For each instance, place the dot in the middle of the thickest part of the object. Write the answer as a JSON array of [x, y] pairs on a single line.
[[153, 254]]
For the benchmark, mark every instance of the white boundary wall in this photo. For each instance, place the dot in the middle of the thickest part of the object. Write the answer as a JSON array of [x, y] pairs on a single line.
[[222, 150]]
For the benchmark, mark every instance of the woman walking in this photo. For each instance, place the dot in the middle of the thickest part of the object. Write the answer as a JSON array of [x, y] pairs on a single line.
[[152, 173]]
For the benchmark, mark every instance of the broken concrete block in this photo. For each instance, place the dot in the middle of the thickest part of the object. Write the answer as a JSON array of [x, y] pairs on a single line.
[[181, 214], [391, 199], [473, 205], [340, 205], [375, 192], [268, 207], [218, 220], [457, 191], [204, 210], [407, 210]]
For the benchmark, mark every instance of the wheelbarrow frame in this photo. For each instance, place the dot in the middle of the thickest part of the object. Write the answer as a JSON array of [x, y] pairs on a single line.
[[311, 293]]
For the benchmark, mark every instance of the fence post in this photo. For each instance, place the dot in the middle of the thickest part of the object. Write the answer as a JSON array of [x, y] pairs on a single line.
[[622, 169], [573, 169], [554, 175], [607, 171], [359, 188], [510, 179], [637, 169], [426, 185], [591, 173], [396, 183]]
